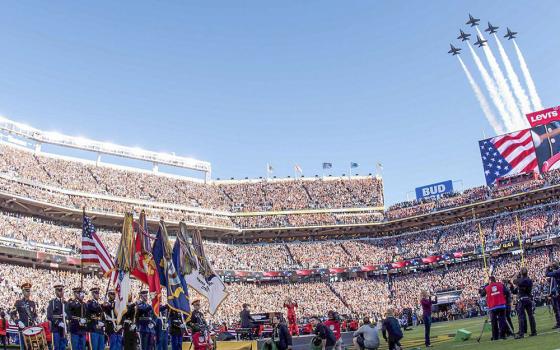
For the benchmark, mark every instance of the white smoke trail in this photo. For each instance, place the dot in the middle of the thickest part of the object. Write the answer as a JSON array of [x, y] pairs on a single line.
[[535, 99], [503, 87], [492, 90], [522, 98], [494, 123]]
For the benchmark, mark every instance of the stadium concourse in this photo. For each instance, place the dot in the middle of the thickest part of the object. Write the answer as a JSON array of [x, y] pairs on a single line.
[[326, 242]]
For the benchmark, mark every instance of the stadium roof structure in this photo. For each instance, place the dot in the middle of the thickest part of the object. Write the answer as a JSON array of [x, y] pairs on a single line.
[[81, 143]]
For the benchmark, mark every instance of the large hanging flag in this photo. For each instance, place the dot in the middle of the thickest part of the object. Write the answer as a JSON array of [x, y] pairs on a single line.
[[195, 267], [177, 292], [144, 265], [93, 250], [124, 263]]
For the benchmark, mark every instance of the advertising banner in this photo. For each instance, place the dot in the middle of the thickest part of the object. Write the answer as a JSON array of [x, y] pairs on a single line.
[[544, 117], [546, 139], [434, 191]]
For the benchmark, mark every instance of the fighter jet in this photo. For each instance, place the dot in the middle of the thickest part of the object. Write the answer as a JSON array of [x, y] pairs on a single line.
[[473, 21], [463, 36], [454, 50], [510, 35], [479, 41], [491, 29]]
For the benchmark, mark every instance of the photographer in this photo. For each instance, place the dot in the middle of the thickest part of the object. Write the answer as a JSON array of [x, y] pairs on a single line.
[[524, 288], [553, 272], [426, 301], [496, 300]]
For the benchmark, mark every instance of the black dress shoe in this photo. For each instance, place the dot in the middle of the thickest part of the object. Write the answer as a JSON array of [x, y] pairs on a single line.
[[519, 336], [533, 334]]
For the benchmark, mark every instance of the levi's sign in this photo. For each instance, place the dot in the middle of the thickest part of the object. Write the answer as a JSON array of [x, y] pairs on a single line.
[[434, 190], [544, 117]]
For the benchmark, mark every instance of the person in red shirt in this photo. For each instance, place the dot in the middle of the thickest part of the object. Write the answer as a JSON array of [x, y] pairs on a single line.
[[3, 329], [334, 324], [495, 294], [292, 318]]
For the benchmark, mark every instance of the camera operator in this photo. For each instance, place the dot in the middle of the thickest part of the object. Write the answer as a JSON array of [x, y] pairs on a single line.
[[553, 272], [524, 288], [495, 294], [509, 302]]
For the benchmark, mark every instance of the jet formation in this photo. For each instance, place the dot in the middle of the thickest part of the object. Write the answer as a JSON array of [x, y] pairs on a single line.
[[480, 42]]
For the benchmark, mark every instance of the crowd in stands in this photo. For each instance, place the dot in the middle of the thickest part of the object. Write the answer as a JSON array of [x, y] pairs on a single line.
[[357, 297], [459, 237]]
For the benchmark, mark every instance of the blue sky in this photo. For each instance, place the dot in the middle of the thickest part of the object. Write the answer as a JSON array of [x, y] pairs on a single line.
[[243, 83]]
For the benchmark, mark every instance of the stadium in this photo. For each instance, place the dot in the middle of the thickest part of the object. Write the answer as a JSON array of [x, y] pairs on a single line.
[[80, 212]]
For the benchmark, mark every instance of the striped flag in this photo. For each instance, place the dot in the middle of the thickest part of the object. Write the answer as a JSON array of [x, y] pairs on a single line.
[[93, 250], [508, 155]]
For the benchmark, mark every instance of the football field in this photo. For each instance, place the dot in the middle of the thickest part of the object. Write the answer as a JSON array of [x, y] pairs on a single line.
[[443, 335]]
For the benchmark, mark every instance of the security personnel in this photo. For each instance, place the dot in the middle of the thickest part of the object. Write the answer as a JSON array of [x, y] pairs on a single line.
[[25, 312], [176, 329], [162, 329], [509, 301], [496, 300], [76, 311], [55, 315], [524, 289], [199, 328], [145, 320], [553, 272], [130, 336], [112, 329], [96, 321]]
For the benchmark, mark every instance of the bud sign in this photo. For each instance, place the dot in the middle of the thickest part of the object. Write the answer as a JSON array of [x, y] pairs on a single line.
[[434, 191]]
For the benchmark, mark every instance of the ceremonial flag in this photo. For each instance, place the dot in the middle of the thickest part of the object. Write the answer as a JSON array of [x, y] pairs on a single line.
[[194, 266], [144, 264], [507, 155], [327, 165], [177, 292], [124, 264], [93, 250]]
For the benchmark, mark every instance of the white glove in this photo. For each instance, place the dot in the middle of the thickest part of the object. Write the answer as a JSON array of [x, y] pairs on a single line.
[[133, 327], [100, 324], [83, 321], [150, 325], [118, 328], [20, 324], [183, 326], [61, 324]]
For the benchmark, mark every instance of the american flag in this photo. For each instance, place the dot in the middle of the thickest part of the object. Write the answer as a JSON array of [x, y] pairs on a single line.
[[93, 250], [507, 155]]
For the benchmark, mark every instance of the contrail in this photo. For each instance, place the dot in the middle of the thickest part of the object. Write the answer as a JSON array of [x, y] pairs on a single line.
[[492, 90], [494, 123], [518, 90], [503, 87], [535, 99]]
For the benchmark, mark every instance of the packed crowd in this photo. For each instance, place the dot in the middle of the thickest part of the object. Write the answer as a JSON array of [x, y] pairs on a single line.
[[358, 297], [458, 237]]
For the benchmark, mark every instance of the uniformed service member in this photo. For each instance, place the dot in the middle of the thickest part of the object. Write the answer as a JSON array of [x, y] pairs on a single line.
[[112, 329], [96, 321], [56, 317], [25, 314], [130, 336], [199, 328], [162, 328], [176, 329], [145, 321], [76, 311]]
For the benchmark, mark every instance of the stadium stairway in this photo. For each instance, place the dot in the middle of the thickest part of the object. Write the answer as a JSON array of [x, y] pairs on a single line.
[[339, 296], [291, 256]]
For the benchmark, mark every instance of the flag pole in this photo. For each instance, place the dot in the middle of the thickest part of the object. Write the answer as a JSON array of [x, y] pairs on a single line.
[[81, 257]]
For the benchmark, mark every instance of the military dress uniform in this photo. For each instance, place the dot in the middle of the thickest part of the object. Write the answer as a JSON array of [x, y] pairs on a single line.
[[199, 327], [112, 329], [25, 313], [130, 337], [56, 317], [145, 321], [96, 322], [176, 329], [76, 311], [162, 328]]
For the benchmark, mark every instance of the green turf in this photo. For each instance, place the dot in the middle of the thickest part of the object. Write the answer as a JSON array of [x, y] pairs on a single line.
[[443, 333]]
